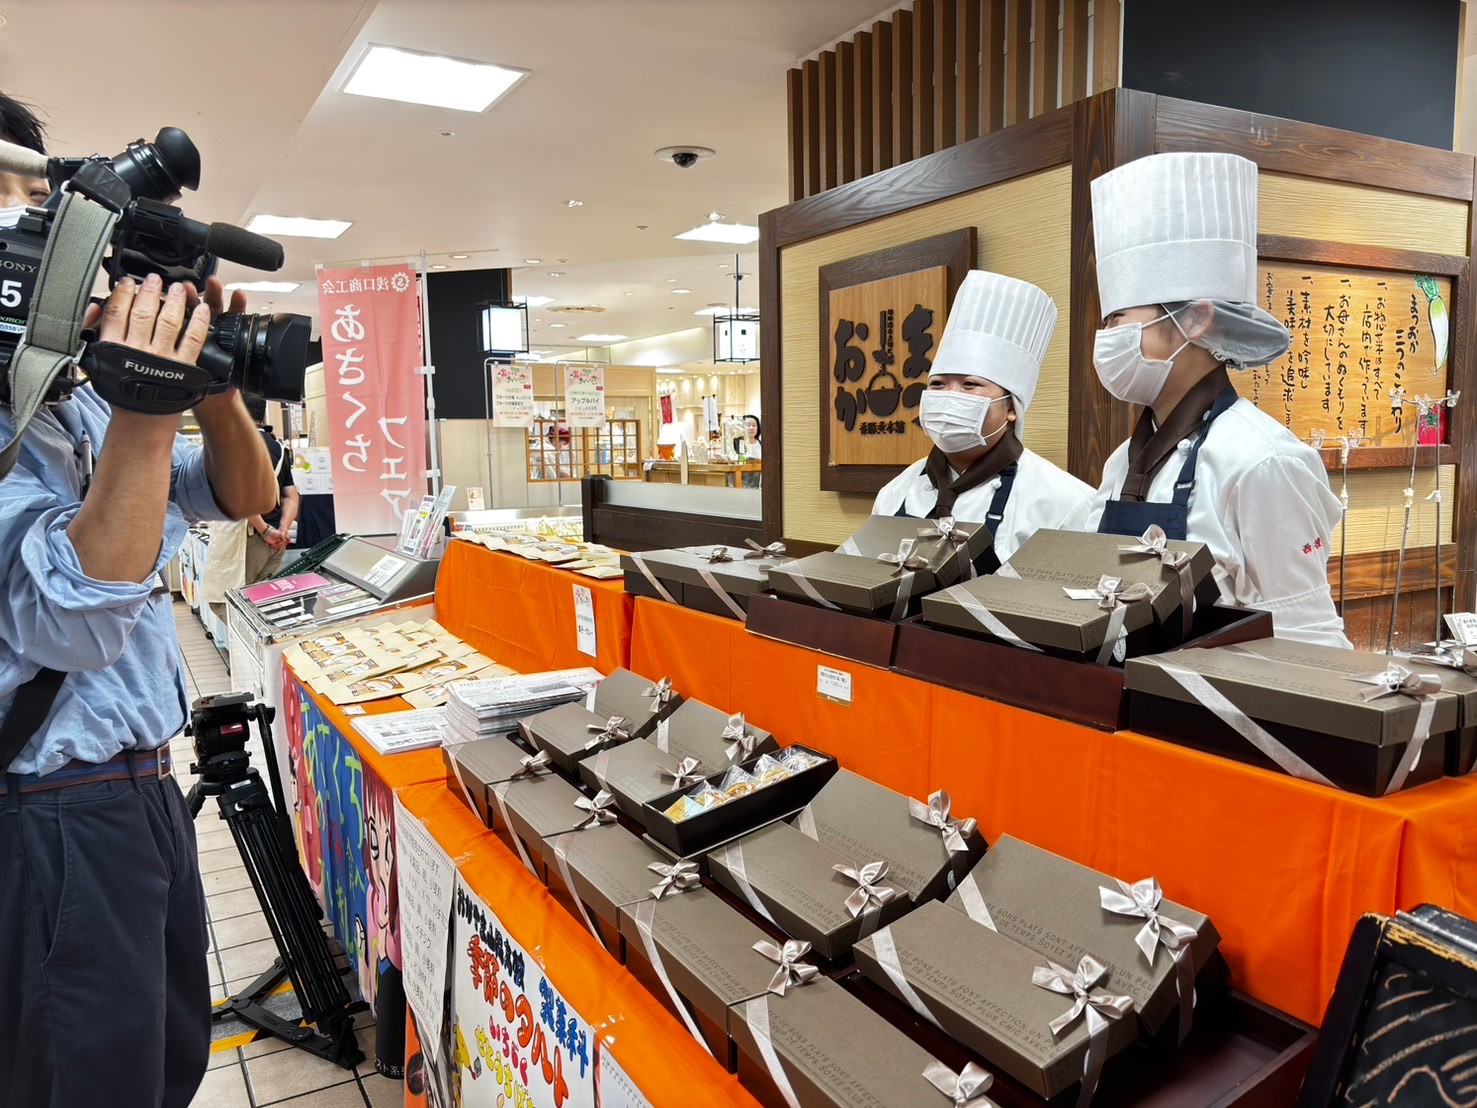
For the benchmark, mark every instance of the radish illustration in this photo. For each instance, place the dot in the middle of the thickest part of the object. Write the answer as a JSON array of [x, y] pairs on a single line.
[[1436, 312]]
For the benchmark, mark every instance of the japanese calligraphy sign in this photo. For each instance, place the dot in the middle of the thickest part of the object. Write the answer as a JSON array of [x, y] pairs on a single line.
[[376, 398], [584, 395], [882, 316], [512, 394], [514, 1039], [1357, 335]]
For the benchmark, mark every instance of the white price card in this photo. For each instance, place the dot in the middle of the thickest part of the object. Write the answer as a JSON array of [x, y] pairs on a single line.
[[613, 1087], [833, 684], [426, 880], [1463, 627], [584, 620]]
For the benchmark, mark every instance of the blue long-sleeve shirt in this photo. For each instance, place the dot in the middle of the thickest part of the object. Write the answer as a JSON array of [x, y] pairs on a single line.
[[125, 685]]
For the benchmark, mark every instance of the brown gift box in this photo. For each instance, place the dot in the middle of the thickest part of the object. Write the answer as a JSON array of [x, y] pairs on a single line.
[[570, 733], [1039, 613], [631, 696], [791, 880], [637, 583], [1052, 905], [472, 767], [834, 1051], [707, 950], [866, 821], [537, 807], [1316, 713], [739, 577], [1077, 559], [976, 985], [948, 560], [852, 583], [608, 869]]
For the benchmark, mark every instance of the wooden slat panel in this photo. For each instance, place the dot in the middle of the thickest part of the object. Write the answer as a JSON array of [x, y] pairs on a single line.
[[1075, 43], [795, 122], [1373, 574], [1017, 61], [923, 90], [771, 392], [1463, 375], [1107, 34], [810, 81], [830, 177], [1045, 16], [864, 108], [992, 66], [882, 94], [945, 74], [845, 112], [902, 87], [968, 20]]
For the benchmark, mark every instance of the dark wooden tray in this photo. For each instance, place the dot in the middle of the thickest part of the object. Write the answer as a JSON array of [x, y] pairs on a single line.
[[858, 638]]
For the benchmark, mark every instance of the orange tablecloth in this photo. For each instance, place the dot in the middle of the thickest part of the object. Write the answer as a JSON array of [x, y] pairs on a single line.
[[1284, 868], [521, 613]]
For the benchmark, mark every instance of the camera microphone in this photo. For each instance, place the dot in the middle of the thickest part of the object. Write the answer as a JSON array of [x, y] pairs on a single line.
[[237, 244], [19, 160]]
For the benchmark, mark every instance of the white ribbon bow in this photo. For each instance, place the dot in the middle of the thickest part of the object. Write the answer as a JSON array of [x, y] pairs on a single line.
[[600, 807], [944, 528], [684, 773], [1401, 681], [675, 878], [662, 690], [1098, 1007], [1114, 599], [936, 814], [1154, 541], [741, 739], [719, 554], [1141, 900], [773, 550], [531, 765], [868, 894], [792, 971], [967, 1088], [904, 559], [612, 731]]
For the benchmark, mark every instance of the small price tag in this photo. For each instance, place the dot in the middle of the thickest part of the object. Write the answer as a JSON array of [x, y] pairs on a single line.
[[584, 620], [354, 710], [833, 684], [1463, 627]]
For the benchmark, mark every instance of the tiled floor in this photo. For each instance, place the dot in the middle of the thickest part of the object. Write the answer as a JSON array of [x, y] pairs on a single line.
[[267, 1071]]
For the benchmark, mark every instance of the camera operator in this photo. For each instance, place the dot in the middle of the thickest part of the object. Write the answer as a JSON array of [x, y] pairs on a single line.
[[104, 987]]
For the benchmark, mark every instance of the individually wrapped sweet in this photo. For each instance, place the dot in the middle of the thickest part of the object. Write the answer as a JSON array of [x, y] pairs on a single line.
[[769, 769], [684, 808], [797, 758], [706, 795], [738, 782]]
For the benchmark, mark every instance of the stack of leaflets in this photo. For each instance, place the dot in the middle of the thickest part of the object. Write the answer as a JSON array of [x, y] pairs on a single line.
[[396, 732], [478, 709]]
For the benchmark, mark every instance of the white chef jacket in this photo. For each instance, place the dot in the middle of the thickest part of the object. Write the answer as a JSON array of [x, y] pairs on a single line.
[[1262, 504], [1042, 496]]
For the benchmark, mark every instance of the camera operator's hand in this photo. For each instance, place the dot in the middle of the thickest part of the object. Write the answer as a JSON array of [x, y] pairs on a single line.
[[138, 316]]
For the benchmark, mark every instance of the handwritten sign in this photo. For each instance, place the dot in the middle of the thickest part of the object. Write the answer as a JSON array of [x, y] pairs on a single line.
[[512, 394], [584, 395], [1357, 335], [427, 880], [584, 620]]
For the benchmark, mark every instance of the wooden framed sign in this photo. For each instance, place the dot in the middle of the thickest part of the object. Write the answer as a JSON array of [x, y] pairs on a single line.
[[882, 316]]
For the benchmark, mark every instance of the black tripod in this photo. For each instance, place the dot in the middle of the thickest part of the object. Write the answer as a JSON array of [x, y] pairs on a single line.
[[221, 726]]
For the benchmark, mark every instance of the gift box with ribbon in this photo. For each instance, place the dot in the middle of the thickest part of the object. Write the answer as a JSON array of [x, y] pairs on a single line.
[[1153, 948], [474, 767], [949, 547], [1049, 1026], [597, 872], [817, 1046], [647, 574], [640, 702], [1178, 575], [888, 585], [571, 732], [1366, 723], [529, 808], [698, 957], [715, 579]]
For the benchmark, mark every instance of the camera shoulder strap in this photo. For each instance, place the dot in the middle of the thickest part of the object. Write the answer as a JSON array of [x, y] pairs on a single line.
[[28, 712], [74, 251]]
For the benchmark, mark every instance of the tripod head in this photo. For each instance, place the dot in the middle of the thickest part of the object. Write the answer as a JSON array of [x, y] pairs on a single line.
[[221, 727]]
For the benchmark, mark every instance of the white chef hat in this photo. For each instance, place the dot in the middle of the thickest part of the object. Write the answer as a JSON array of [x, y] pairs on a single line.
[[998, 329], [1176, 227]]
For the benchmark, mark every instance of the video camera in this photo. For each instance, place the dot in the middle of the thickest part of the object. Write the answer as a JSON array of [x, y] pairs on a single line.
[[262, 355]]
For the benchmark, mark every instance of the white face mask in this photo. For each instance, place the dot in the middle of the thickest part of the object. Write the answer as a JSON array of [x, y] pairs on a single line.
[[1118, 357], [954, 420]]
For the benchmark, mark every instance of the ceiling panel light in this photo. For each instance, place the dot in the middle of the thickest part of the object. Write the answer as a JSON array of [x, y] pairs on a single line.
[[439, 265], [736, 234], [628, 294], [681, 292], [533, 261], [556, 273], [558, 325], [574, 203], [671, 280], [292, 226], [389, 73], [602, 339], [263, 286], [460, 257], [533, 301]]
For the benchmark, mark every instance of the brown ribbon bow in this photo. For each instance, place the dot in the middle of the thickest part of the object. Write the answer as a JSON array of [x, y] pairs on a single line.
[[684, 773], [531, 765], [601, 809], [613, 731], [1397, 680], [967, 1088], [773, 550], [675, 878], [867, 894], [719, 554], [936, 814], [742, 740], [792, 971], [662, 690]]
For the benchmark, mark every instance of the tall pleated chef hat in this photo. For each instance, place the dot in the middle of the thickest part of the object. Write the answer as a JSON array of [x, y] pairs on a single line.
[[998, 329]]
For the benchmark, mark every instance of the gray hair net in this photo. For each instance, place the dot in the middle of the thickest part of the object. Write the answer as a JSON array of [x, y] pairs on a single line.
[[1241, 335]]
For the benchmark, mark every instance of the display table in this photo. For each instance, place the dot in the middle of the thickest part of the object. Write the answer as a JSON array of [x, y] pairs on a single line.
[[1283, 867], [521, 613], [729, 475]]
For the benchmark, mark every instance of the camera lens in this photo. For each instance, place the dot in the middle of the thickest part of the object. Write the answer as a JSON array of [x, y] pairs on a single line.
[[262, 355]]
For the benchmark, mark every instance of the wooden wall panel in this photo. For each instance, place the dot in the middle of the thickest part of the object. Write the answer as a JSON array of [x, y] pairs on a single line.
[[945, 74], [810, 82], [902, 87], [883, 151], [830, 176], [1017, 61], [1044, 36], [795, 123], [1107, 43], [1306, 207], [864, 108], [923, 78], [845, 112], [1075, 50], [968, 22], [992, 66]]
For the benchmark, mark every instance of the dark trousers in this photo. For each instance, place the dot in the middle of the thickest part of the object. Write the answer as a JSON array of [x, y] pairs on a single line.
[[104, 985]]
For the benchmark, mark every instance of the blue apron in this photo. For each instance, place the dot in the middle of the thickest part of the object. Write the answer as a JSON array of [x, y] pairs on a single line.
[[988, 562], [1134, 517]]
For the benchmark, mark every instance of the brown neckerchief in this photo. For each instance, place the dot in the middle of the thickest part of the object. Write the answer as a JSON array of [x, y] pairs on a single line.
[[1148, 448], [1003, 454]]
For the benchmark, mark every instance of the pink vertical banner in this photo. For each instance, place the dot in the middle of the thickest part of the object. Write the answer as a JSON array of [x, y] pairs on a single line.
[[372, 352]]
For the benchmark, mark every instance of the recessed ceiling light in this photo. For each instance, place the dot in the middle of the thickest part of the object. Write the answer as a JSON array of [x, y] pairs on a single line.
[[556, 273], [643, 226], [736, 234], [556, 326], [722, 265], [263, 286], [681, 292], [629, 294], [574, 203], [447, 134], [292, 226], [600, 338], [533, 261], [714, 217], [533, 301], [671, 280], [439, 265], [460, 257], [389, 73]]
